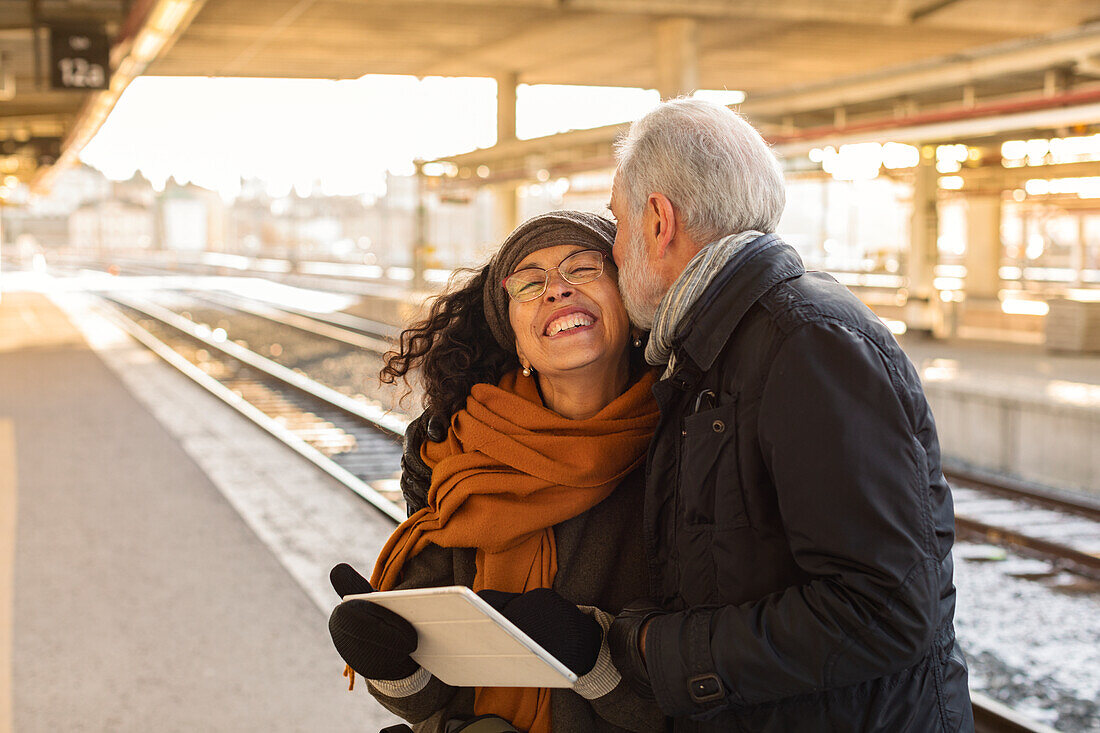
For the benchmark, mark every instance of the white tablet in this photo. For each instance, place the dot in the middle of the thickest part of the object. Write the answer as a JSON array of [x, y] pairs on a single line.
[[465, 642]]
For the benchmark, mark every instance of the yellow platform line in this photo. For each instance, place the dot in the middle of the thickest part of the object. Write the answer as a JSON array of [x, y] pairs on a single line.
[[7, 569]]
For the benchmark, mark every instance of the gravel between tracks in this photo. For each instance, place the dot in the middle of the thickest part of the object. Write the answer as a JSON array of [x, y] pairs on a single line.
[[1030, 645]]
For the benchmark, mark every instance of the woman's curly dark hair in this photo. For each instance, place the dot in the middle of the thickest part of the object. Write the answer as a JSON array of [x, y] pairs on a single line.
[[452, 347]]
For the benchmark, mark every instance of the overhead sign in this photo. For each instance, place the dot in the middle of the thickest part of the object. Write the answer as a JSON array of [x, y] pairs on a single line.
[[79, 57]]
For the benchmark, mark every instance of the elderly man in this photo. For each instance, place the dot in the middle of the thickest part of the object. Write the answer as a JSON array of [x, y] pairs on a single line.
[[798, 524]]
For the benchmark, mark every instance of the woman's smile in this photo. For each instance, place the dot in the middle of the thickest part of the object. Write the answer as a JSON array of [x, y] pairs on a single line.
[[568, 321]]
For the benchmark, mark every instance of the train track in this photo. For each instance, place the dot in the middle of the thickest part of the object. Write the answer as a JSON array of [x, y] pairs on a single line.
[[383, 332], [359, 445], [360, 333], [991, 716], [1053, 526], [356, 443]]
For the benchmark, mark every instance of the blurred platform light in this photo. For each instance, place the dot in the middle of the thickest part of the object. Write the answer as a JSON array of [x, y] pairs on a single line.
[[862, 161], [1074, 393], [1039, 151], [1075, 149], [223, 259], [440, 169], [940, 370], [950, 271], [596, 181], [948, 283], [949, 158], [951, 183], [437, 275], [1049, 274], [1083, 296], [1017, 306], [720, 96], [1086, 187], [1037, 187], [896, 327], [899, 155], [858, 162]]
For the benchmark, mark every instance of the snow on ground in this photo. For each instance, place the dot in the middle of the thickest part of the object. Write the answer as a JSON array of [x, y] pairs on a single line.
[[1027, 643]]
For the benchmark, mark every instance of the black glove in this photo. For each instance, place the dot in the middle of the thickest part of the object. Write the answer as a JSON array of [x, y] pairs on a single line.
[[416, 475], [374, 641], [568, 633], [623, 639]]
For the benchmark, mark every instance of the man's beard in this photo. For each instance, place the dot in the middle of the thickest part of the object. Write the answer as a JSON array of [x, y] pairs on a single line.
[[640, 285]]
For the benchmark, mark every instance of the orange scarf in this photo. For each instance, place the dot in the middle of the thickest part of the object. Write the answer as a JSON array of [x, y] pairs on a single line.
[[508, 471]]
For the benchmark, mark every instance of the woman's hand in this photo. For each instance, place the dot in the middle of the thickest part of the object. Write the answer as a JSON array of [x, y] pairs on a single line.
[[569, 634], [374, 641]]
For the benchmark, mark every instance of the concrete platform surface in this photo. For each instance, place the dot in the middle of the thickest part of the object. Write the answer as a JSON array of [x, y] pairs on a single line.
[[151, 592], [1015, 409]]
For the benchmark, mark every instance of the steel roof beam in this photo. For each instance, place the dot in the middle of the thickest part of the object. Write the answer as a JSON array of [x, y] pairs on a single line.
[[956, 70]]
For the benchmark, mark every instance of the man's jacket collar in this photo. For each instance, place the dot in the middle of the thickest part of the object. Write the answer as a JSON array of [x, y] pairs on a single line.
[[755, 269]]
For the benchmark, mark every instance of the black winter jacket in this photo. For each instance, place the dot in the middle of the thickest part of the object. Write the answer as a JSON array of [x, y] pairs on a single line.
[[797, 522]]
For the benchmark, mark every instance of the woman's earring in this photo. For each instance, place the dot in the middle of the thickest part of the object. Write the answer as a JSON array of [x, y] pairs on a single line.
[[637, 342], [526, 371]]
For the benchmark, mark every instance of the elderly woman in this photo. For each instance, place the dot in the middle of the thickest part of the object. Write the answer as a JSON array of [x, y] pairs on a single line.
[[532, 496]]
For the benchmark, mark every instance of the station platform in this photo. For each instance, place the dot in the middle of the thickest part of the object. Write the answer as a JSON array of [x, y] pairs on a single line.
[[168, 565], [1014, 409]]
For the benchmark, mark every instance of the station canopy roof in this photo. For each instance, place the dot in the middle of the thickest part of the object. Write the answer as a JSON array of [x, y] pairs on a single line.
[[804, 64]]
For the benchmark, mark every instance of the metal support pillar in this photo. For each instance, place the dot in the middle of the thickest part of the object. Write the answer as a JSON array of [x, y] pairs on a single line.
[[983, 246], [506, 106], [677, 57], [506, 208], [923, 307], [420, 241], [506, 195], [1080, 252]]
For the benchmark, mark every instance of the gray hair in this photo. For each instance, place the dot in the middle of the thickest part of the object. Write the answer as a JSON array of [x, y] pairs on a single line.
[[713, 166]]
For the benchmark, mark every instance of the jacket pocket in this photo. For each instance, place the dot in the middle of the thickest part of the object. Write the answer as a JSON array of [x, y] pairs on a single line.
[[709, 482]]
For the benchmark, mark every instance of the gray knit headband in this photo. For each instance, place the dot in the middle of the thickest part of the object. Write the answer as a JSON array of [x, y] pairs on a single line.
[[546, 230]]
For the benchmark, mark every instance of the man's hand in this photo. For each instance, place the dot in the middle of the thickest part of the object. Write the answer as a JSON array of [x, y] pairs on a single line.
[[374, 641], [558, 626], [627, 642]]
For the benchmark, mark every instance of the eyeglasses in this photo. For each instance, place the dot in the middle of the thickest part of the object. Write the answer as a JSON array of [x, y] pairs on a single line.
[[576, 269]]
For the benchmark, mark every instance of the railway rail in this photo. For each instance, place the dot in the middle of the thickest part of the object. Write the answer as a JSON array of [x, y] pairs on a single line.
[[359, 444], [1033, 520]]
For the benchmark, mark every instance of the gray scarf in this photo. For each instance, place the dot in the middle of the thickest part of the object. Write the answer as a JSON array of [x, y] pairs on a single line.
[[695, 278]]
